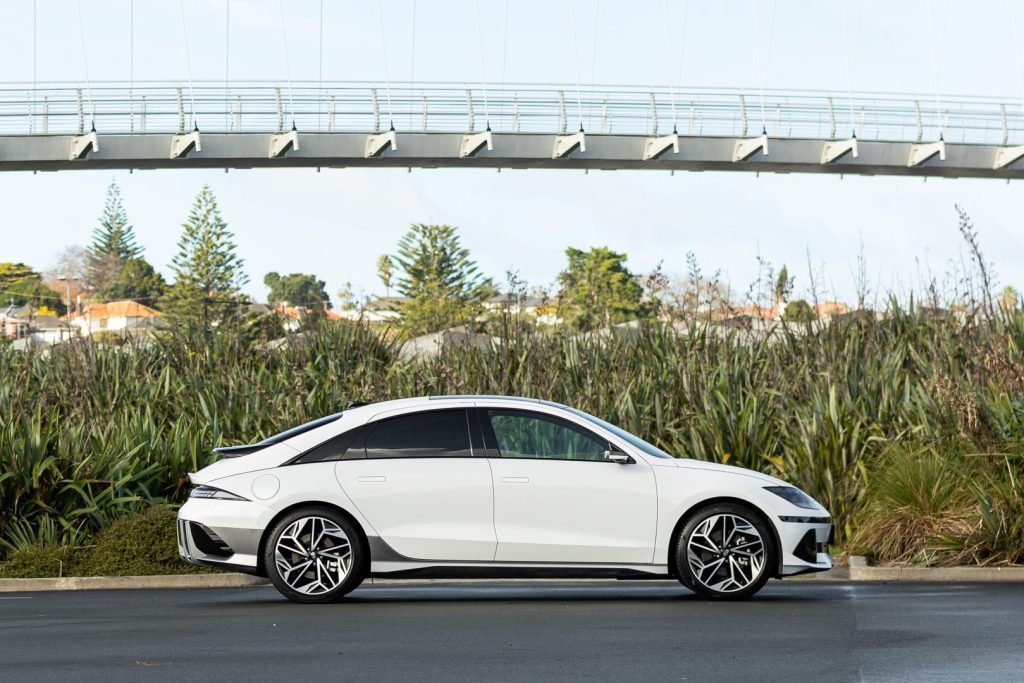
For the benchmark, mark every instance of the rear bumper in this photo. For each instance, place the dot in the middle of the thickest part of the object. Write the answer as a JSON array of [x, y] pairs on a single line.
[[207, 538]]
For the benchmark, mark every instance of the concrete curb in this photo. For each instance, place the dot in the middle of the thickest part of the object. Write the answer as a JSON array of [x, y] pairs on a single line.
[[79, 583], [860, 571]]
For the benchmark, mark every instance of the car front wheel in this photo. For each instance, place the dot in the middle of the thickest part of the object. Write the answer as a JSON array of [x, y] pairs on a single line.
[[315, 555], [725, 552]]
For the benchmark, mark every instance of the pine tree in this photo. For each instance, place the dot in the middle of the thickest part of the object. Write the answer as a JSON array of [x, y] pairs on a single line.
[[439, 279], [113, 243], [208, 272], [598, 290]]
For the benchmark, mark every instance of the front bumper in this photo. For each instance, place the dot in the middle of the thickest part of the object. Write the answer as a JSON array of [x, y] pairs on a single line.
[[805, 544]]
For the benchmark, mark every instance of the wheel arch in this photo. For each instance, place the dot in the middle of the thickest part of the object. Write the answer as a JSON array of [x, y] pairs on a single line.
[[707, 502], [265, 536]]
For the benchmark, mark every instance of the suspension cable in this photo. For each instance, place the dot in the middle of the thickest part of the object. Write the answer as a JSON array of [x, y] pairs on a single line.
[[384, 49], [32, 111], [483, 70], [668, 54], [576, 61], [131, 65], [593, 61], [504, 64], [227, 65], [412, 58], [763, 61], [188, 66], [287, 62], [320, 69], [85, 65], [936, 54], [1015, 21], [850, 57], [682, 42]]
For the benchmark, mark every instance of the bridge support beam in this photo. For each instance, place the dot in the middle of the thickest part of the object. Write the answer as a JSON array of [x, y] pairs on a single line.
[[920, 153], [565, 144], [474, 142], [655, 147], [1007, 155], [81, 145], [833, 150], [747, 147], [181, 145], [376, 143], [282, 142]]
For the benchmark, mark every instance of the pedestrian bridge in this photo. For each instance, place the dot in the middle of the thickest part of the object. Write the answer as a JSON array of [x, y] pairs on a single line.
[[50, 127]]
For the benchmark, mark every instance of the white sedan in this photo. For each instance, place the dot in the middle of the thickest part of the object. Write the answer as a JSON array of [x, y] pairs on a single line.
[[490, 486]]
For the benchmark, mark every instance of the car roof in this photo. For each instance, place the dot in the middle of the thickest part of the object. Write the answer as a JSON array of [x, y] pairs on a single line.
[[427, 400]]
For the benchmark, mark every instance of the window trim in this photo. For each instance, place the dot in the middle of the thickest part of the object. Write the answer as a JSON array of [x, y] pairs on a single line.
[[492, 445], [372, 426]]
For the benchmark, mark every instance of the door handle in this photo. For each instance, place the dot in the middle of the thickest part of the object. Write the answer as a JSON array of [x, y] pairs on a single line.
[[515, 480], [378, 477]]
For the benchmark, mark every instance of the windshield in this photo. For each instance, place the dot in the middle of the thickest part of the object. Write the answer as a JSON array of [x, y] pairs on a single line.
[[301, 429], [649, 449]]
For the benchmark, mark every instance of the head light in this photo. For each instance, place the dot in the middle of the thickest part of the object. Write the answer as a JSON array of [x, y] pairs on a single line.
[[204, 491], [794, 496]]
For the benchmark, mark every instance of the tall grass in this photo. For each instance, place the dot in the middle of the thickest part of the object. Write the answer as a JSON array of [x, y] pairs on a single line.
[[89, 433]]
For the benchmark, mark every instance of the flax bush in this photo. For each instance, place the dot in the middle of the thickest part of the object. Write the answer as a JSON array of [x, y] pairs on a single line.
[[90, 433]]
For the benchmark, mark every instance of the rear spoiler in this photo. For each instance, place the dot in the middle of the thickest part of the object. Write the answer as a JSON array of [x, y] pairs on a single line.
[[237, 451]]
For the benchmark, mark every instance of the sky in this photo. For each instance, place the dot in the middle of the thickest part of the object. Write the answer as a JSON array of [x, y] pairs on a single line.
[[337, 222]]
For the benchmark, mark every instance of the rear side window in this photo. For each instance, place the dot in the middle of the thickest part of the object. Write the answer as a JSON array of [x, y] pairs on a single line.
[[433, 434], [347, 446]]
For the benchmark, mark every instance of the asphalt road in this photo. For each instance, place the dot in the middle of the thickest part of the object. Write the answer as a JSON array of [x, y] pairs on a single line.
[[794, 630]]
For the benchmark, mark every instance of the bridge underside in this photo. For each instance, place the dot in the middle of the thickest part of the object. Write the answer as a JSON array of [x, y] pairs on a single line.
[[508, 150]]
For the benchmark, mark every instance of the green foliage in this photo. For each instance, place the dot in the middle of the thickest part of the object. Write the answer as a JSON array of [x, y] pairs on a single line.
[[139, 545], [35, 293], [113, 244], [39, 561], [386, 272], [798, 311], [598, 290], [442, 283], [297, 289], [14, 273], [208, 272], [137, 280]]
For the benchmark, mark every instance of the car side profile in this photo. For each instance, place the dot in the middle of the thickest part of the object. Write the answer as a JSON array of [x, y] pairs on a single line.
[[490, 486]]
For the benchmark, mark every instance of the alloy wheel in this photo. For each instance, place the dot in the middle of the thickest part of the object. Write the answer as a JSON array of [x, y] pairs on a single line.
[[726, 553], [313, 555]]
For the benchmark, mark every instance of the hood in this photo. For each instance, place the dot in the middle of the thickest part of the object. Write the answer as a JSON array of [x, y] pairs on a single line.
[[687, 463]]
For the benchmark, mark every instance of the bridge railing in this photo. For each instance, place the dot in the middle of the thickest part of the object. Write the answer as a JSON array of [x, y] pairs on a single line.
[[169, 107]]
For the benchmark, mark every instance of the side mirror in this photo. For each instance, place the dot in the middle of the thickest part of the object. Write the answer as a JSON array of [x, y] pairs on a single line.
[[618, 458]]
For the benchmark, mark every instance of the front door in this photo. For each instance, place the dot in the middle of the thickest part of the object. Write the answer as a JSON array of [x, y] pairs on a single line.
[[557, 498], [421, 488]]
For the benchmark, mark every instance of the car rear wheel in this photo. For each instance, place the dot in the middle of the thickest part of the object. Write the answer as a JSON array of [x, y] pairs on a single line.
[[315, 555], [725, 552]]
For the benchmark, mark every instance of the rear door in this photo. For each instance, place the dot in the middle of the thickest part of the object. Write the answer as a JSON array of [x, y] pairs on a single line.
[[423, 488], [557, 498]]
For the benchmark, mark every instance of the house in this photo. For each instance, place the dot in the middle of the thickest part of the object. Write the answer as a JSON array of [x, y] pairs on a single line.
[[543, 309], [380, 310], [50, 329], [13, 327], [115, 316]]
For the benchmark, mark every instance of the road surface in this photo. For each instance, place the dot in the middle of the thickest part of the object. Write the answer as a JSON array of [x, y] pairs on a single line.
[[518, 631]]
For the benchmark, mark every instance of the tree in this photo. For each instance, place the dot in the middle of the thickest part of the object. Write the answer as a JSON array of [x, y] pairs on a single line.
[[297, 289], [783, 287], [138, 281], [68, 274], [113, 243], [385, 271], [440, 280], [798, 311], [208, 273], [13, 273], [598, 290]]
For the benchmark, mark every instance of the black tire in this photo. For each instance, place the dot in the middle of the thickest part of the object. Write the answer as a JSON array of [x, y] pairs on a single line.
[[736, 557], [323, 557]]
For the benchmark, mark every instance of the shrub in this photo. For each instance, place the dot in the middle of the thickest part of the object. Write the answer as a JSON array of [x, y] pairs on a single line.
[[143, 544], [38, 560]]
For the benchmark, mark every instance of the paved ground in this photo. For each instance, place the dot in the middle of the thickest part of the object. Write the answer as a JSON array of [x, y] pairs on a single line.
[[796, 630]]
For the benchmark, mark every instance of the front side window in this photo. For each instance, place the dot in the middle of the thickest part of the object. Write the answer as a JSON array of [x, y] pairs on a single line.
[[520, 434], [433, 434]]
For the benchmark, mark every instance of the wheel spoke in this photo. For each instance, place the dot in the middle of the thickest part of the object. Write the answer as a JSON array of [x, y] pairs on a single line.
[[726, 553], [313, 555]]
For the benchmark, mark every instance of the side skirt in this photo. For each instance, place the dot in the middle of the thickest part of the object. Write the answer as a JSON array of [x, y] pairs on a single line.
[[396, 570]]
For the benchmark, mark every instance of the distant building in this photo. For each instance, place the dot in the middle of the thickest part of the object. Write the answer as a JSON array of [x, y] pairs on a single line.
[[115, 316]]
